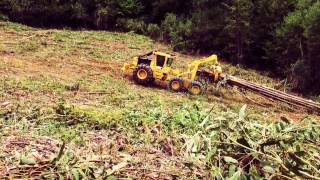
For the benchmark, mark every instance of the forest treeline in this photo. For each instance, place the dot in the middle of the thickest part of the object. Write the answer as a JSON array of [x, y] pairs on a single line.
[[280, 36]]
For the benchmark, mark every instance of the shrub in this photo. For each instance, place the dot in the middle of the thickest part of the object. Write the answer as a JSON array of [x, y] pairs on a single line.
[[153, 31], [177, 31], [130, 7], [136, 25], [3, 17], [104, 18], [168, 26]]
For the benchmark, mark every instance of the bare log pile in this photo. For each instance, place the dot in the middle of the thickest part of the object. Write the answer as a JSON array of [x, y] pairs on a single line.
[[274, 94]]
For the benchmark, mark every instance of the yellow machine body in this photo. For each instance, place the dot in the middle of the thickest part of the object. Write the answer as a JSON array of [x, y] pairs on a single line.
[[158, 66], [161, 70]]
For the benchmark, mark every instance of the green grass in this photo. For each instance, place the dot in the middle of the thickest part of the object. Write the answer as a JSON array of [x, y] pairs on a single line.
[[28, 46], [90, 43], [35, 84], [251, 75], [6, 25]]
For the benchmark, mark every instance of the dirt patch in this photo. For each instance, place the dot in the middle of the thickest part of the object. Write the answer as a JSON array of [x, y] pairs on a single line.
[[59, 69]]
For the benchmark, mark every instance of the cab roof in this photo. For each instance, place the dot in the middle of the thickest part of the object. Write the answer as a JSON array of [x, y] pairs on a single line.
[[162, 54]]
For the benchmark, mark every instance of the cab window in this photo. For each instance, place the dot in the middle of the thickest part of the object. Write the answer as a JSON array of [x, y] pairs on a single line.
[[169, 62], [160, 60]]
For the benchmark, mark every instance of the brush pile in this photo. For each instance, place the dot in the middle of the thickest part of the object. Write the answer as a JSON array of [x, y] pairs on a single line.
[[214, 145], [238, 147]]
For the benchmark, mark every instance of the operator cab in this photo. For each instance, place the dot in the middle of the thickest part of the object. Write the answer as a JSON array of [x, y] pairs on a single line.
[[157, 59]]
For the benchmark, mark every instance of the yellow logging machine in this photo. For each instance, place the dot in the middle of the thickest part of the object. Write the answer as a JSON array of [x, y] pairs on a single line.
[[156, 65]]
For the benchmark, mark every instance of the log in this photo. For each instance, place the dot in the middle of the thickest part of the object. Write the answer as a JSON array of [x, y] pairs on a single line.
[[274, 94]]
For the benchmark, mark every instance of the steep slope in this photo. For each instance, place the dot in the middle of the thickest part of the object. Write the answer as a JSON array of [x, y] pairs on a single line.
[[66, 86]]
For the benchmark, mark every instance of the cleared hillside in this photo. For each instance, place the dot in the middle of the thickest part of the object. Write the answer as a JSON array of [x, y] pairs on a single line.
[[66, 86]]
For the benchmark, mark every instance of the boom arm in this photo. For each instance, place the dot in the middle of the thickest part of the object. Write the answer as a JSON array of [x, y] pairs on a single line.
[[193, 67]]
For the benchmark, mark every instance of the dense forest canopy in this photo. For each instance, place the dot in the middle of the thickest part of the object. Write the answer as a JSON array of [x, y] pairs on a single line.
[[280, 36]]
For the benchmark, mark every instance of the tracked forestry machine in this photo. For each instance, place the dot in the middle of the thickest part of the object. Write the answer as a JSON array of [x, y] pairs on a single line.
[[157, 66]]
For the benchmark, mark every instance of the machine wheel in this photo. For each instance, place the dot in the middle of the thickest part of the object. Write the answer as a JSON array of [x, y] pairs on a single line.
[[143, 74], [195, 88], [205, 81], [175, 85]]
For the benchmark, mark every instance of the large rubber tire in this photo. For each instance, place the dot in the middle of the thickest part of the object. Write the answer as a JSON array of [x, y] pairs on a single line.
[[143, 74], [195, 88], [176, 85], [205, 81]]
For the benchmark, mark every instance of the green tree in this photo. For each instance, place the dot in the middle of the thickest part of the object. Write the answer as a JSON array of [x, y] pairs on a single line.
[[265, 50], [208, 18], [238, 29], [300, 34]]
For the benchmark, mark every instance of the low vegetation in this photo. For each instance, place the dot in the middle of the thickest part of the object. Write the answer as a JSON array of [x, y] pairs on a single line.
[[67, 111]]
